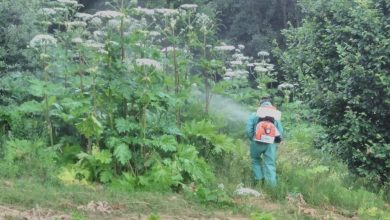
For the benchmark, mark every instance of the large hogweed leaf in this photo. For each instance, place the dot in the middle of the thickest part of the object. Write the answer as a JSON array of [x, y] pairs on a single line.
[[90, 126], [124, 125], [167, 143], [122, 153], [30, 107], [206, 130]]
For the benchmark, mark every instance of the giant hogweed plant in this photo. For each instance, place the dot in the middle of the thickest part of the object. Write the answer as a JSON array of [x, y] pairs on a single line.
[[108, 88]]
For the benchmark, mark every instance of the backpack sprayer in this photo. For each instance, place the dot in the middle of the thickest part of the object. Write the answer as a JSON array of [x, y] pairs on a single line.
[[265, 131]]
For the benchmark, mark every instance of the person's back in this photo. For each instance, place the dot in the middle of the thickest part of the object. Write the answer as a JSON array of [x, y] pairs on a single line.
[[260, 151]]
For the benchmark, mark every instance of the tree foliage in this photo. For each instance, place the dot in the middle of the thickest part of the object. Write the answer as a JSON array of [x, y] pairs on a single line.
[[339, 57], [16, 29]]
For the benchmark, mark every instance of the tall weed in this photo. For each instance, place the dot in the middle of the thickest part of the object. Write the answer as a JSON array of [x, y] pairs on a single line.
[[27, 158]]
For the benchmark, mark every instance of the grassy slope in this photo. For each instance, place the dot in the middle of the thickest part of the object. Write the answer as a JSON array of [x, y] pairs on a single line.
[[311, 186]]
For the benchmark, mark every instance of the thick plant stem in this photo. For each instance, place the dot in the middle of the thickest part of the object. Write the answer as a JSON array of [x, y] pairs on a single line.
[[47, 113], [143, 124], [206, 79], [81, 76], [94, 95], [110, 112], [177, 80]]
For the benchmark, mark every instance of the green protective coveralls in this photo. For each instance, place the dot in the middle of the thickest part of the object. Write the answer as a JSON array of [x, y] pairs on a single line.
[[263, 155]]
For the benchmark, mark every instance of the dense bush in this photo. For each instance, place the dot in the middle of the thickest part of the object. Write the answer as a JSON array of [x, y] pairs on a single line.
[[339, 57], [17, 26]]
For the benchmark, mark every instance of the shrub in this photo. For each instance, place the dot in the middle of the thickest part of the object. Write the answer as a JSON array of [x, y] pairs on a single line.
[[337, 57]]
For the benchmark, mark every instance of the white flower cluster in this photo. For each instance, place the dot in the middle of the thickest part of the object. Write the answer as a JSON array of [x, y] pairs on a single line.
[[43, 40], [114, 24], [240, 56], [98, 35], [225, 48], [263, 54], [60, 10], [241, 46], [76, 24], [166, 11], [96, 21], [154, 33], [236, 63], [83, 16], [68, 2], [93, 44], [144, 11], [235, 74], [108, 14], [285, 86], [189, 6], [48, 11], [263, 67], [77, 40], [148, 62], [242, 191]]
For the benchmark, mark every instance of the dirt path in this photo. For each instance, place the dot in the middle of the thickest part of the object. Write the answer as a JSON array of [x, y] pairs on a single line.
[[295, 207]]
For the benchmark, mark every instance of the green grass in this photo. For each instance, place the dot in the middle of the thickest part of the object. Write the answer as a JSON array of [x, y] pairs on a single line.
[[29, 193]]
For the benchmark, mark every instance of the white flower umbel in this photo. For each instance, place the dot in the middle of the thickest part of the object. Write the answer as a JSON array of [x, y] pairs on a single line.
[[166, 11], [114, 24], [69, 2], [285, 86], [270, 67], [108, 14], [236, 63], [261, 69], [154, 33], [93, 44], [77, 40], [144, 11], [225, 48], [263, 54], [230, 73], [241, 46], [96, 21], [241, 72], [148, 62], [240, 56], [48, 11], [43, 40], [189, 6], [98, 35], [83, 16], [76, 24], [60, 10]]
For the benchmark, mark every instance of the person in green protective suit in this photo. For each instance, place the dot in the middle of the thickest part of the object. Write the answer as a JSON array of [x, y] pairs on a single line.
[[263, 155]]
